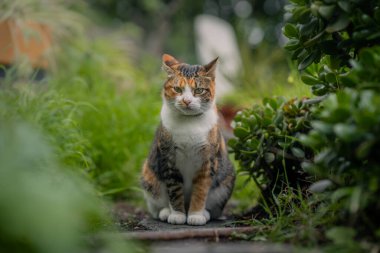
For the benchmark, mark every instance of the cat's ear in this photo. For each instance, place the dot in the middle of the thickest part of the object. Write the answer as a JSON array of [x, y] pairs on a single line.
[[210, 68], [168, 62]]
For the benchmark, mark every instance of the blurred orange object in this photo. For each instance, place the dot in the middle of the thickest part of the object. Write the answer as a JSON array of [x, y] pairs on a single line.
[[24, 39]]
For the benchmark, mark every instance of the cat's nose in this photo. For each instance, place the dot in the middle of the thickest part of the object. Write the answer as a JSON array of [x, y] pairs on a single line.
[[186, 101]]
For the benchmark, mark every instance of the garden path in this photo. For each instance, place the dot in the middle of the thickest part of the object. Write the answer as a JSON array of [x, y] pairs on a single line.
[[222, 236]]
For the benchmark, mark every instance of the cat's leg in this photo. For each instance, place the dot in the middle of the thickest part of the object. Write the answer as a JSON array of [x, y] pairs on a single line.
[[221, 190], [156, 195], [198, 215], [176, 201]]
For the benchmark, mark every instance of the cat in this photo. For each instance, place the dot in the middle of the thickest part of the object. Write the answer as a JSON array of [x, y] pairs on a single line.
[[188, 177]]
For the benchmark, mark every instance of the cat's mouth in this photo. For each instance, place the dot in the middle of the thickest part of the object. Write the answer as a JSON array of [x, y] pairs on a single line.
[[189, 111]]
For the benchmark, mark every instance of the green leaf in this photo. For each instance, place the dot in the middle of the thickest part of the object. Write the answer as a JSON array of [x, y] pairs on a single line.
[[342, 22], [355, 200], [326, 11], [292, 45], [241, 132], [319, 89], [345, 5], [309, 80], [364, 149], [341, 235], [307, 61], [269, 157], [322, 127], [320, 186], [313, 40], [290, 31], [347, 81], [331, 78], [232, 142], [297, 152], [345, 132]]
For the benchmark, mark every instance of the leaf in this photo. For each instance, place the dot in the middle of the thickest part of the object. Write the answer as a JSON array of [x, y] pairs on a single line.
[[341, 235], [232, 142], [346, 132], [320, 186], [355, 200], [347, 81], [307, 61], [309, 80], [322, 126], [292, 44], [342, 22], [241, 132], [331, 78], [297, 152], [364, 149], [326, 11], [269, 157], [313, 40], [345, 5], [271, 102], [319, 89], [290, 31]]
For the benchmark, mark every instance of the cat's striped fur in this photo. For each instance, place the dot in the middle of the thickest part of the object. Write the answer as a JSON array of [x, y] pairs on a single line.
[[188, 176]]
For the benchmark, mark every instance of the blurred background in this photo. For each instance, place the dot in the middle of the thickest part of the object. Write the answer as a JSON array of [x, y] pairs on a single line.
[[80, 98]]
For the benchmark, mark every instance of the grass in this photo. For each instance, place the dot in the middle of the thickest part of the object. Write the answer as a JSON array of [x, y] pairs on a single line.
[[95, 123]]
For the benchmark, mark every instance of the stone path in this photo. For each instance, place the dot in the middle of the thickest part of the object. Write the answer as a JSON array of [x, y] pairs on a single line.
[[222, 236], [216, 236]]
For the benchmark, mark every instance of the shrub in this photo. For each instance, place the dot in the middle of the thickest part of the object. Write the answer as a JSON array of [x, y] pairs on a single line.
[[335, 46], [331, 33], [267, 145], [345, 136]]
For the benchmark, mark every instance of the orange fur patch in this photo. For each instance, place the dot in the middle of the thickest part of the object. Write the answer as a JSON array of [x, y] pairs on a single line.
[[150, 181]]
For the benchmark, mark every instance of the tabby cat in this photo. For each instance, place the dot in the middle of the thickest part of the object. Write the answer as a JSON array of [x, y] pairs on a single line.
[[188, 177]]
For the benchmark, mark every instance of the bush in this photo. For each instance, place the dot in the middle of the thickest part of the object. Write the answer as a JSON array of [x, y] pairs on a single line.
[[331, 33], [267, 145], [335, 46], [345, 136]]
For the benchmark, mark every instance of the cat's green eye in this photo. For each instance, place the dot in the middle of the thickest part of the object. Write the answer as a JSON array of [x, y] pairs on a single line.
[[199, 91], [177, 89]]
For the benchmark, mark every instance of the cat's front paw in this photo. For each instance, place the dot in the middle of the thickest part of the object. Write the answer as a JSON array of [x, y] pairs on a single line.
[[197, 219], [177, 218], [164, 214]]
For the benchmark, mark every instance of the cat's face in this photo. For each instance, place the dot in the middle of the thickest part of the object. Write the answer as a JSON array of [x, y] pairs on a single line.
[[189, 89]]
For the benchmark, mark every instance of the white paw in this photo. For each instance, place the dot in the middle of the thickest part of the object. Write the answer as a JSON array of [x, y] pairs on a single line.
[[206, 214], [177, 218], [164, 214], [197, 219]]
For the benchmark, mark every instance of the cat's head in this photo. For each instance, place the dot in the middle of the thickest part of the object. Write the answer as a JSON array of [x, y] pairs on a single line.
[[189, 89]]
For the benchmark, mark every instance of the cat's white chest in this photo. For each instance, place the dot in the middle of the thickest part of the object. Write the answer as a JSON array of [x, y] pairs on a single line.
[[190, 135]]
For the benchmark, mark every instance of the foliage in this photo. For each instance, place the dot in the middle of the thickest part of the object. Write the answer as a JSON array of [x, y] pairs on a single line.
[[331, 33], [267, 145], [335, 28], [335, 46], [95, 123], [44, 207], [346, 136]]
